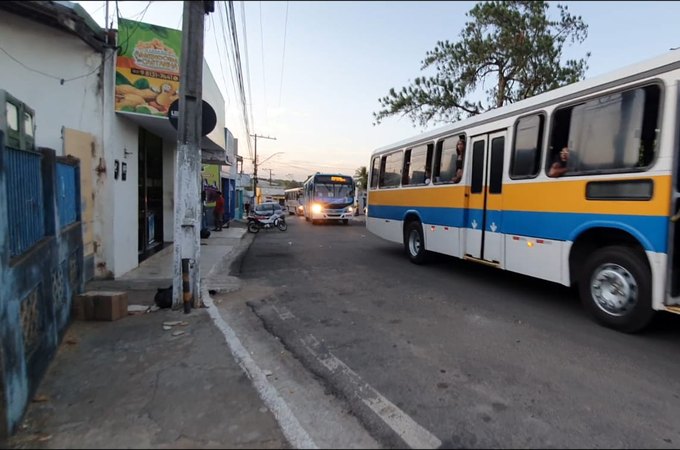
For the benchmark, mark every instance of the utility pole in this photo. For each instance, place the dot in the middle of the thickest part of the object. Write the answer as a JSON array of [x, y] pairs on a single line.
[[186, 280], [270, 176], [255, 163]]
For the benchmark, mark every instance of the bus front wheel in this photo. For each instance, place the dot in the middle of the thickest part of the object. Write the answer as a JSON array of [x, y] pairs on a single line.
[[615, 288], [414, 242]]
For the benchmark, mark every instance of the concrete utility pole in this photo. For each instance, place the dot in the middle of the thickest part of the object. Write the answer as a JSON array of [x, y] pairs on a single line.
[[255, 163], [186, 280]]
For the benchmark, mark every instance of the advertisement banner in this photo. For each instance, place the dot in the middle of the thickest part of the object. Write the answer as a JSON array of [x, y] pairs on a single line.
[[147, 68]]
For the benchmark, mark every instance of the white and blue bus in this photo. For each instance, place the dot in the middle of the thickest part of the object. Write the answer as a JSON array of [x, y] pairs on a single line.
[[294, 201], [579, 186], [328, 197]]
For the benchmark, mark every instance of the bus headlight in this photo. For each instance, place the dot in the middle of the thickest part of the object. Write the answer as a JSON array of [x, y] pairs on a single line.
[[350, 209], [316, 208]]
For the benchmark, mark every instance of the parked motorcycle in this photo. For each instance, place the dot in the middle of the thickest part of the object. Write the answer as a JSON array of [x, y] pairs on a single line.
[[256, 223]]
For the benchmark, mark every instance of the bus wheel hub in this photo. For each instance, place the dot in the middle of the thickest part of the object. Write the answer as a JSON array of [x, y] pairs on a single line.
[[614, 289]]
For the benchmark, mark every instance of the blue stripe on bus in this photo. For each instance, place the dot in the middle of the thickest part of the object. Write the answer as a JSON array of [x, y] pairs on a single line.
[[651, 231]]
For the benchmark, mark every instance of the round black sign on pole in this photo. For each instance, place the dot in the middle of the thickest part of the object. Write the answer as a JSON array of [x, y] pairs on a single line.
[[208, 117]]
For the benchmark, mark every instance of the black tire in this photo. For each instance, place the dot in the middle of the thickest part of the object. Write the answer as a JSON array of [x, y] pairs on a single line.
[[306, 218], [252, 227], [314, 221], [345, 221], [414, 242], [282, 225], [625, 303]]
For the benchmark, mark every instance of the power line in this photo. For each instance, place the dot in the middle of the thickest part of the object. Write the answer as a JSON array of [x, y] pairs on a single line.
[[283, 58], [62, 80], [134, 30], [245, 50], [264, 81], [219, 57], [234, 74], [231, 21]]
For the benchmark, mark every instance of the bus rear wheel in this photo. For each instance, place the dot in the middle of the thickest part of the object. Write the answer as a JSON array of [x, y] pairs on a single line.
[[414, 242], [615, 288]]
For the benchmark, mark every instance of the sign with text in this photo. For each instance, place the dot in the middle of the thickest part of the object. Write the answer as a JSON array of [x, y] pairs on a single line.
[[147, 68]]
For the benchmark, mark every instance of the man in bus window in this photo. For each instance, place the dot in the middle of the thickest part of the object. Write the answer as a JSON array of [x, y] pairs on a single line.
[[559, 167], [460, 157]]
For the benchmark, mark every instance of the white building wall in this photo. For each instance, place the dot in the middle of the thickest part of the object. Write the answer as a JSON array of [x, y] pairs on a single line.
[[86, 104], [75, 104], [121, 251], [213, 95]]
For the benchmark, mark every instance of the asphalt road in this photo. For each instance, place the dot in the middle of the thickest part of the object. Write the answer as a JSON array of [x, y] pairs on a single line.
[[458, 355]]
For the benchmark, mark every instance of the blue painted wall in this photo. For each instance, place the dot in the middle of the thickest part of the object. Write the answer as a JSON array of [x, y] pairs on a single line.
[[37, 285]]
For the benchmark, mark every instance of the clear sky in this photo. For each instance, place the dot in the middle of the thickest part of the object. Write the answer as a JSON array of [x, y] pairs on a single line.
[[317, 97]]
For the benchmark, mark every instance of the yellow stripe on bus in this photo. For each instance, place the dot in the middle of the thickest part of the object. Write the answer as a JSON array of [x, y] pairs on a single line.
[[540, 196]]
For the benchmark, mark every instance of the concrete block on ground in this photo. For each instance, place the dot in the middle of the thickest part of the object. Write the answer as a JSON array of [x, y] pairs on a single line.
[[100, 305]]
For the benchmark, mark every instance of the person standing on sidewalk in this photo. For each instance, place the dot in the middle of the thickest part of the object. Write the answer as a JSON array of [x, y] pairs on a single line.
[[218, 211]]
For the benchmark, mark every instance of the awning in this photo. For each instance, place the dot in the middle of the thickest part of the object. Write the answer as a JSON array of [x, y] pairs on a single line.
[[211, 152]]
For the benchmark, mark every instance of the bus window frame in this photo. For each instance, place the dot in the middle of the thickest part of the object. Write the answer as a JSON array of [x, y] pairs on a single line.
[[406, 168], [383, 163], [543, 149], [582, 100], [375, 174], [437, 154]]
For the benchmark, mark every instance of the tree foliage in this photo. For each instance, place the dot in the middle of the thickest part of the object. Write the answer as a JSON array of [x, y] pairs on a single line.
[[513, 46], [361, 177]]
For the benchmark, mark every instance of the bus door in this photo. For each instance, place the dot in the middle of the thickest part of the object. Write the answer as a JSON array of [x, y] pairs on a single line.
[[484, 206]]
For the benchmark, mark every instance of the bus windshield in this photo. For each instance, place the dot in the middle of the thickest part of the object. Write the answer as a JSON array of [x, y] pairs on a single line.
[[332, 190]]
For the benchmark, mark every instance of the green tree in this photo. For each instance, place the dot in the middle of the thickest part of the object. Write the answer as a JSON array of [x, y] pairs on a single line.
[[361, 177], [290, 184], [513, 46]]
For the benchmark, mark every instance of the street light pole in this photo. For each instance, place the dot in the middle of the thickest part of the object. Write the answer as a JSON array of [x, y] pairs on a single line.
[[255, 163]]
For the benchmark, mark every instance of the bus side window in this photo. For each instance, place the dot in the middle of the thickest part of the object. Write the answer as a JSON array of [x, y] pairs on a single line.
[[375, 172], [611, 133], [445, 160], [526, 152], [390, 173], [417, 159], [406, 169]]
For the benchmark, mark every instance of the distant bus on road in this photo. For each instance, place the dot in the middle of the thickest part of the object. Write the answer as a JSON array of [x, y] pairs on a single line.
[[328, 197], [294, 201]]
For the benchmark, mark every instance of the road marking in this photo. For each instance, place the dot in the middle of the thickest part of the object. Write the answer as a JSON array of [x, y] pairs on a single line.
[[283, 312], [409, 430], [296, 435]]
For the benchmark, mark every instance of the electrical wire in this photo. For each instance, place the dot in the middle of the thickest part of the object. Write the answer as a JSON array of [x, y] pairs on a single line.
[[131, 33], [245, 52], [231, 21], [62, 80], [219, 57], [264, 80], [283, 58]]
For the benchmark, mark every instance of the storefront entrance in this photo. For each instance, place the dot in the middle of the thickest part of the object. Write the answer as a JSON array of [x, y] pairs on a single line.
[[150, 194]]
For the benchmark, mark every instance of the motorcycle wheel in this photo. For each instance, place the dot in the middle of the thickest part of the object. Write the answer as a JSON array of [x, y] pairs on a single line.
[[253, 228], [282, 225]]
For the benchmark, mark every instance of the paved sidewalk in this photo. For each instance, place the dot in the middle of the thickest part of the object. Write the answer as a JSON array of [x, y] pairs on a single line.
[[146, 382]]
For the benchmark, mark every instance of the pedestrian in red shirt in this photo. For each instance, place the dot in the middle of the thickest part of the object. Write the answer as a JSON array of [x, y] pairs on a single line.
[[218, 211]]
